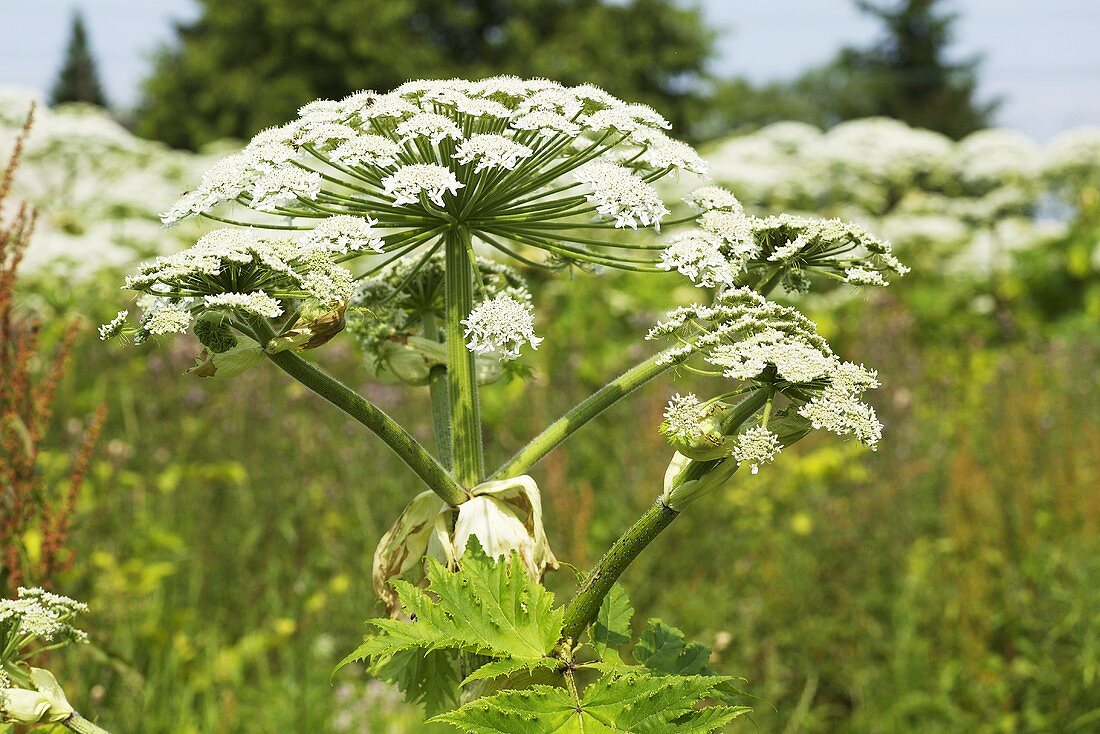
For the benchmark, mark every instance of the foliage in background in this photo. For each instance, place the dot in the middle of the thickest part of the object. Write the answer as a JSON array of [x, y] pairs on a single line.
[[246, 65], [907, 74], [78, 79]]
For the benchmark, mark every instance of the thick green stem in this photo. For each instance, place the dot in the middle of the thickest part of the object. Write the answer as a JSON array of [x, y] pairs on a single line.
[[585, 604], [440, 397], [466, 449], [586, 410], [79, 724], [386, 428]]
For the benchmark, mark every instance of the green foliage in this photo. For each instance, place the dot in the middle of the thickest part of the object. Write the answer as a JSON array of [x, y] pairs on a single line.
[[906, 74], [634, 702], [78, 80], [486, 608], [503, 625], [295, 51]]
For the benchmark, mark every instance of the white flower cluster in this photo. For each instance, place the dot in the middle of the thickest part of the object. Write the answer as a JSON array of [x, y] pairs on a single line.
[[767, 347], [257, 303], [343, 234], [114, 327], [756, 446], [491, 151], [501, 325], [683, 417], [622, 195], [412, 140], [729, 245], [433, 180], [37, 613]]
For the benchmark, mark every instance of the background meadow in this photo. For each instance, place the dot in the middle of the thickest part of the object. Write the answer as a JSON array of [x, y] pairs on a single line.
[[949, 581]]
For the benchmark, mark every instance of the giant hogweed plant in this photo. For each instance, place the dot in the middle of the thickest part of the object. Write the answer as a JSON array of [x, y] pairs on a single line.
[[406, 219]]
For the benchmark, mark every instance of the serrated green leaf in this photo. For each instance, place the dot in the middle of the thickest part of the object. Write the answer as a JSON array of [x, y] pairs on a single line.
[[709, 719], [498, 605], [430, 679], [612, 626], [485, 608], [662, 648], [508, 666], [639, 702]]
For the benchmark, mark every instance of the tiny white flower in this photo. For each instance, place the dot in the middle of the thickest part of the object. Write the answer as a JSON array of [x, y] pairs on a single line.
[[344, 233], [501, 325], [113, 328], [428, 125], [620, 194], [491, 151], [407, 182], [756, 446], [258, 303]]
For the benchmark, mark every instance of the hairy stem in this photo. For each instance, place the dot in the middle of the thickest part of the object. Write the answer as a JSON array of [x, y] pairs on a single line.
[[466, 449], [596, 403], [440, 397], [386, 428], [585, 604], [79, 724]]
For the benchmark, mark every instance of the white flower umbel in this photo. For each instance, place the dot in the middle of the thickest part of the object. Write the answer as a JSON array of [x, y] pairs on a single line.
[[621, 195], [407, 183], [683, 417], [778, 250], [344, 233], [37, 613], [713, 197], [501, 325], [258, 303], [533, 169], [430, 125], [775, 353], [491, 151], [114, 327], [756, 446], [367, 150], [698, 256]]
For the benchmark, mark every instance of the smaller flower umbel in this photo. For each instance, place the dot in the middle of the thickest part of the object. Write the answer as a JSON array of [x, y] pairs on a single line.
[[784, 381]]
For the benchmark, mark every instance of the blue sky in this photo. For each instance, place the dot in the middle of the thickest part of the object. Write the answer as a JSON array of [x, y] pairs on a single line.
[[1043, 56]]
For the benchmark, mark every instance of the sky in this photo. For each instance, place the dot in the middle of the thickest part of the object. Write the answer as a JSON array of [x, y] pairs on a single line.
[[1041, 56]]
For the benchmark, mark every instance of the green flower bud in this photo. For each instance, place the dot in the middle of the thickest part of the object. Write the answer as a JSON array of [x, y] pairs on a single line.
[[687, 479], [233, 361]]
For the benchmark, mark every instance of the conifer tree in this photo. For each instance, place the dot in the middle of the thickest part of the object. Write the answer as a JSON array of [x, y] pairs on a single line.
[[78, 80]]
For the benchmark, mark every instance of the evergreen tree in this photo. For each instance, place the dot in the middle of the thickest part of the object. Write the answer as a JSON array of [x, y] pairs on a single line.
[[905, 75], [78, 80], [249, 64]]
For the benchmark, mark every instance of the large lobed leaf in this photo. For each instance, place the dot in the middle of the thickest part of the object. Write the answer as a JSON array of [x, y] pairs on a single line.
[[485, 608], [637, 702]]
